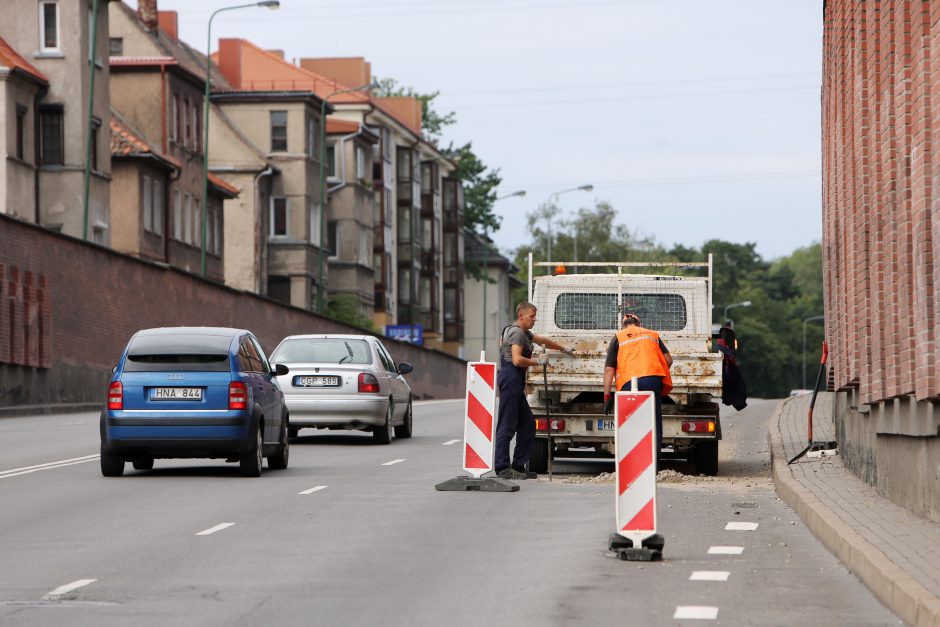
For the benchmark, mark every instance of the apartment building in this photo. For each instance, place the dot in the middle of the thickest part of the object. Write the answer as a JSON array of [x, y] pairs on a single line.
[[22, 86], [51, 40]]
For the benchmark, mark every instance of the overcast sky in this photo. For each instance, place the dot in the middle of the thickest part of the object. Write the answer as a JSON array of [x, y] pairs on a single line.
[[695, 119]]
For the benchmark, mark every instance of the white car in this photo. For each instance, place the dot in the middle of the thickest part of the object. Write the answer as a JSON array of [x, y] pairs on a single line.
[[344, 382]]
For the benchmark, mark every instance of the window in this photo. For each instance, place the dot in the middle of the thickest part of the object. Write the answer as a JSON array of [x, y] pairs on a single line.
[[175, 134], [279, 217], [147, 192], [332, 243], [116, 46], [158, 207], [323, 350], [216, 232], [331, 160], [365, 246], [278, 131], [177, 216], [51, 119], [187, 218], [187, 124], [21, 112], [197, 110], [95, 130], [279, 288], [659, 312], [262, 359], [360, 163], [314, 224], [197, 224], [49, 26], [312, 138], [250, 353]]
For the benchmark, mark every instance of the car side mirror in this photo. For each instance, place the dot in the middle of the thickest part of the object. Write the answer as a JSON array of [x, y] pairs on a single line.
[[280, 370], [113, 369], [404, 367]]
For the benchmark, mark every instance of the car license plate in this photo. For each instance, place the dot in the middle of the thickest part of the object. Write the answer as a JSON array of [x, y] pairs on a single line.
[[605, 425], [176, 394], [312, 381]]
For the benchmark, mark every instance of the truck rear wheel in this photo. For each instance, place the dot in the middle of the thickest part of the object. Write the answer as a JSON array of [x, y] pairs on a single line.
[[539, 460], [706, 458]]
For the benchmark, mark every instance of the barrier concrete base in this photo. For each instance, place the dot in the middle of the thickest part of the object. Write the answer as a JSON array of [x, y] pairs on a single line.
[[651, 551], [471, 484]]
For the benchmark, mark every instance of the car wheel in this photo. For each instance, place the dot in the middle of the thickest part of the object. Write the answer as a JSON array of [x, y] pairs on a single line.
[[278, 461], [404, 429], [250, 461], [143, 463], [111, 465], [383, 434]]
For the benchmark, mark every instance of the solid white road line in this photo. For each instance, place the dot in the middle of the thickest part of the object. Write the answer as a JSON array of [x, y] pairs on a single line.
[[394, 461], [449, 442], [725, 550], [709, 575], [693, 612], [449, 400], [218, 527], [62, 590], [312, 490], [25, 470], [741, 526]]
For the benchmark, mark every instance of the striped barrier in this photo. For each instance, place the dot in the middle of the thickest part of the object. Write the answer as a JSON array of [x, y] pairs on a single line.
[[479, 418], [479, 427], [635, 446]]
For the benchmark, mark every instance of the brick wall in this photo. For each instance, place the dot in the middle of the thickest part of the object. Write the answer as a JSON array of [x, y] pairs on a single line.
[[67, 309], [880, 95]]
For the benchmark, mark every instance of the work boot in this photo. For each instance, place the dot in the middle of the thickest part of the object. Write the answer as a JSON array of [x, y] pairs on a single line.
[[512, 474]]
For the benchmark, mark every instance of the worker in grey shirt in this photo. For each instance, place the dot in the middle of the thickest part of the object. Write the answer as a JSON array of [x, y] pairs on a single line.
[[515, 415]]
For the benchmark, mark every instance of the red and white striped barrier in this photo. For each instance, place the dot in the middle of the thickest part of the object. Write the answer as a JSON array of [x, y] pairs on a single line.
[[480, 418], [635, 445]]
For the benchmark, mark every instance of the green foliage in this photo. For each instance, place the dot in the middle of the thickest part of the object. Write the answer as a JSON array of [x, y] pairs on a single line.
[[783, 293], [345, 308]]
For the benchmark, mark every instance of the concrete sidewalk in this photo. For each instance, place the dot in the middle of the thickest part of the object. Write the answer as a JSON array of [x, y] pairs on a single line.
[[894, 552]]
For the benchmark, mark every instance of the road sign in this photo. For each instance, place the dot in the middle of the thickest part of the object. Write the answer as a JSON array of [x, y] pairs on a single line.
[[413, 333]]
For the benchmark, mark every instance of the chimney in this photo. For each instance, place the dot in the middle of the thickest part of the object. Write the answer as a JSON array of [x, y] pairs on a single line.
[[349, 71], [230, 61], [147, 14], [169, 23], [278, 53]]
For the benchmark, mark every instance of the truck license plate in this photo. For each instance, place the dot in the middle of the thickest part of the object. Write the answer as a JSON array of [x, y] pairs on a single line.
[[605, 425]]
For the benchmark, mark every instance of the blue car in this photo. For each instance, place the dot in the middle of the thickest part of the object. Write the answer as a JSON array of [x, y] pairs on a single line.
[[189, 392]]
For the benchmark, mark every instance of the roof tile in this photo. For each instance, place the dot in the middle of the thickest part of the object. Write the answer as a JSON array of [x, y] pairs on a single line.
[[12, 59]]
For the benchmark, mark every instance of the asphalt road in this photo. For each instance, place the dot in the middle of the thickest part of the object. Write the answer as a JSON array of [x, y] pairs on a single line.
[[355, 534]]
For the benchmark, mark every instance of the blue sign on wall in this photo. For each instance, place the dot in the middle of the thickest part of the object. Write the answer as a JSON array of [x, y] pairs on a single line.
[[413, 333]]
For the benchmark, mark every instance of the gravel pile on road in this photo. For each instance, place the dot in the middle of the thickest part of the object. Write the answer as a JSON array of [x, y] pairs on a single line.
[[664, 476]]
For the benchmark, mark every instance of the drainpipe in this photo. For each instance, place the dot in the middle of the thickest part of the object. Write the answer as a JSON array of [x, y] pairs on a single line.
[[37, 157], [91, 113], [163, 106], [263, 257]]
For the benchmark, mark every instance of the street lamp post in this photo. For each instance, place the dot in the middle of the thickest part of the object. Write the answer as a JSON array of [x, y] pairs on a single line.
[[323, 103], [745, 303], [486, 258], [805, 320], [552, 198], [271, 4]]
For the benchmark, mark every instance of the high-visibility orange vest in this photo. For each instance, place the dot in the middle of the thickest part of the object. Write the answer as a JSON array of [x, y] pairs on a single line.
[[639, 355]]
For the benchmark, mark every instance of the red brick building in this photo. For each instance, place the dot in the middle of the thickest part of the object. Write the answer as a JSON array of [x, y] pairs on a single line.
[[881, 187]]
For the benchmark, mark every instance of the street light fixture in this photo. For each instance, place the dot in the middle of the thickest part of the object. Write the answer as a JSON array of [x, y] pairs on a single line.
[[486, 257], [320, 286], [745, 303], [270, 4], [805, 320], [553, 197]]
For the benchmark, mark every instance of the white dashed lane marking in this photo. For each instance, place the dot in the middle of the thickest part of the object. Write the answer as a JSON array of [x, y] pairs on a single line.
[[393, 462], [710, 575], [449, 442], [25, 470], [725, 550], [212, 530], [63, 590], [692, 612], [741, 526], [314, 489]]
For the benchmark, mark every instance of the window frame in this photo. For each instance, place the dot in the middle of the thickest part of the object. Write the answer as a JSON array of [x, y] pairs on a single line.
[[43, 48], [332, 239], [49, 112], [276, 138], [272, 218], [20, 140]]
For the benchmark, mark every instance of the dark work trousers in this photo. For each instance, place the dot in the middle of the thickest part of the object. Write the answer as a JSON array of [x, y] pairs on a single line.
[[654, 385], [515, 418]]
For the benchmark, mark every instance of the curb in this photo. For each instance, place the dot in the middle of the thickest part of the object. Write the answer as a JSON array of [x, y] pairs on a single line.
[[892, 585], [12, 411]]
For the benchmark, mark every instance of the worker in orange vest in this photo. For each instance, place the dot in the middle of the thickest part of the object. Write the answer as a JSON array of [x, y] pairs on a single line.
[[636, 352]]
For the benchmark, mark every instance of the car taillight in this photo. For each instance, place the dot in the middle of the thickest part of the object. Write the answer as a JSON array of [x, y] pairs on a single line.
[[115, 395], [368, 383], [237, 395], [698, 426], [541, 424]]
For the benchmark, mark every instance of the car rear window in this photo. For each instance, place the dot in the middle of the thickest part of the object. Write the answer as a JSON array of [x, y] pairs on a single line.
[[154, 353], [325, 350], [659, 312]]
